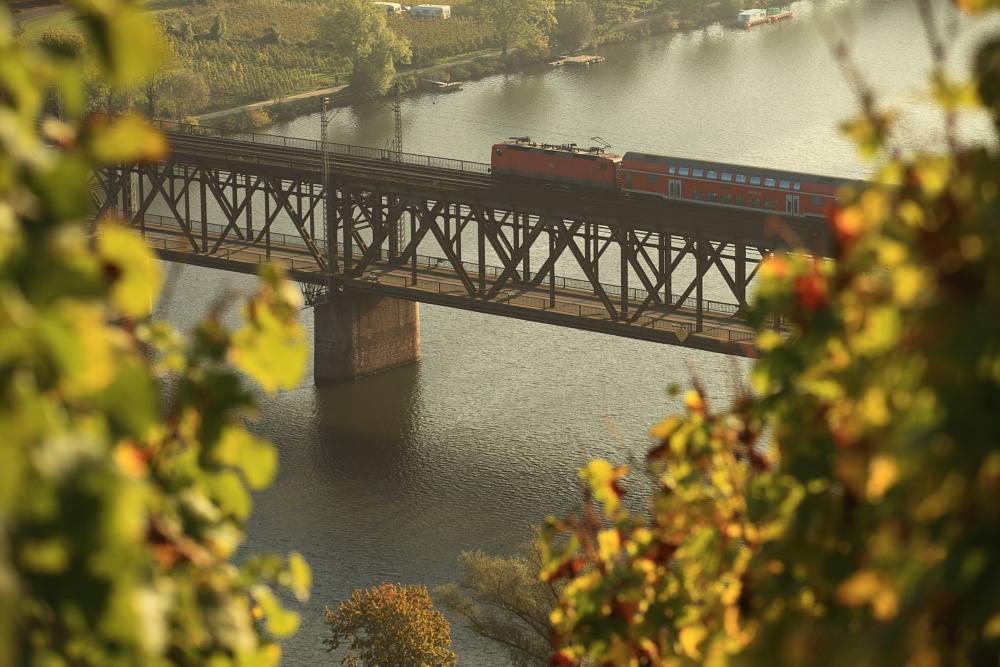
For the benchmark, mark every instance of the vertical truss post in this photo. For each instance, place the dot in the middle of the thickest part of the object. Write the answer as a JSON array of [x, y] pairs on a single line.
[[700, 259], [552, 271], [327, 217], [623, 241], [204, 210], [741, 276], [481, 240]]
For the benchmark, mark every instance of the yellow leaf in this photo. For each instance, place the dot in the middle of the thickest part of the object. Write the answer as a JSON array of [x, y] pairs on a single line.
[[128, 139], [691, 636], [882, 474], [134, 273]]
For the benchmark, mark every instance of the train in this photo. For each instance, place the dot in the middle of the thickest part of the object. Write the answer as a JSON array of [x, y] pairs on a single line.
[[663, 176]]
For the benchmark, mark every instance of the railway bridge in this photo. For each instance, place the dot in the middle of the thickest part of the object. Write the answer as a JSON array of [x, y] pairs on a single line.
[[369, 233]]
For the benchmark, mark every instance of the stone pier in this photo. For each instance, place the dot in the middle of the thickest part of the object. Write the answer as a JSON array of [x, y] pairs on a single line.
[[360, 334]]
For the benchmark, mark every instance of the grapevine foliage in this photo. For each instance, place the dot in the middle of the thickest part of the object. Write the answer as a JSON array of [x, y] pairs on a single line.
[[848, 513], [120, 507]]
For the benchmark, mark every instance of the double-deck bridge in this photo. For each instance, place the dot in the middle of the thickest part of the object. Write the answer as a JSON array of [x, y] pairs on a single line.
[[366, 230]]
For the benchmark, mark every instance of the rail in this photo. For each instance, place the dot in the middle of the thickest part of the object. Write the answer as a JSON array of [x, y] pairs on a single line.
[[333, 148]]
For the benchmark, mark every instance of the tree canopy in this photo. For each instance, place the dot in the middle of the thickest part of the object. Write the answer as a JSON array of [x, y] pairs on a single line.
[[357, 30], [518, 22], [393, 626], [120, 506], [847, 512], [503, 600]]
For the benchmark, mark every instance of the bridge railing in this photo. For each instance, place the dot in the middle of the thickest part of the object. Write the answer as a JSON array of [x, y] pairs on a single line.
[[568, 308], [471, 268], [331, 147]]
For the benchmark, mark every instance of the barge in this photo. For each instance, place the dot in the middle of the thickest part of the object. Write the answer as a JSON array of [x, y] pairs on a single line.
[[753, 17]]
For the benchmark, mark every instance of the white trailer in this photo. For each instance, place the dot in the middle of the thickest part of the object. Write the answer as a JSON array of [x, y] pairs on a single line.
[[390, 7], [431, 11]]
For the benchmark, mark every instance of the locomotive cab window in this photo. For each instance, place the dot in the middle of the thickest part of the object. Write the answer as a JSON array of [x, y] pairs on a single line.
[[741, 178], [499, 151], [604, 166], [755, 180], [769, 182]]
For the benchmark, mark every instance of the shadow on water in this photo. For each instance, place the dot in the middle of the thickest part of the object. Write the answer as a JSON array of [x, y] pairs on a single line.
[[368, 423]]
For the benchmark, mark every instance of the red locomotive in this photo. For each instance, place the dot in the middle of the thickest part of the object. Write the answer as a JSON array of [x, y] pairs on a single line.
[[714, 183], [523, 158]]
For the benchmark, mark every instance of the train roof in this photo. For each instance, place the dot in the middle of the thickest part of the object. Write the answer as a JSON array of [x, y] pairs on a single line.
[[741, 169], [526, 144]]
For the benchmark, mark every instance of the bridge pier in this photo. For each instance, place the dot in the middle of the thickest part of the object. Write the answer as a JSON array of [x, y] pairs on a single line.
[[361, 334]]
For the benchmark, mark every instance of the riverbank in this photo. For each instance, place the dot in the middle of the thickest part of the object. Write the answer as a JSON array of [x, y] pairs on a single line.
[[260, 115]]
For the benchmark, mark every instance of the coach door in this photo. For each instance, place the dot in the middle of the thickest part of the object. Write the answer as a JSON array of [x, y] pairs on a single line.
[[674, 189], [792, 204]]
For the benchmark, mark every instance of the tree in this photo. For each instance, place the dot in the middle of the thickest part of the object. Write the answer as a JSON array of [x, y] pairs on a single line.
[[848, 512], [218, 29], [518, 22], [503, 600], [121, 506], [64, 43], [576, 25], [357, 30], [391, 626], [183, 93]]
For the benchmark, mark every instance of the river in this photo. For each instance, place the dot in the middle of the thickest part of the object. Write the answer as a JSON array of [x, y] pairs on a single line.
[[387, 479]]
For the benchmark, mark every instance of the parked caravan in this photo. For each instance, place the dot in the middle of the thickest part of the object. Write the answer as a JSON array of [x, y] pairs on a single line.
[[431, 11], [390, 7]]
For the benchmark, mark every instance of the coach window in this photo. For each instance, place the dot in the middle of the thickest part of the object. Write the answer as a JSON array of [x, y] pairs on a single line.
[[684, 171], [652, 178], [796, 186], [769, 182], [741, 178], [740, 201], [696, 194], [816, 200], [754, 202], [710, 196], [697, 173], [755, 180], [672, 170], [727, 199], [768, 204], [784, 184], [727, 177], [713, 174]]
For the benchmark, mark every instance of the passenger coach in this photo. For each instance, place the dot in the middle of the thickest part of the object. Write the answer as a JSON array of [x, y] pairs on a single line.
[[723, 184]]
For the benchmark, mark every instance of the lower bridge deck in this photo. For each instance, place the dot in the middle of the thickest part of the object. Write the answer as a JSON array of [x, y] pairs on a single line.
[[558, 300]]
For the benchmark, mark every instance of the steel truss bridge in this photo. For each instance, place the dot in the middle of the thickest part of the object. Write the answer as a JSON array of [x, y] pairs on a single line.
[[445, 232]]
